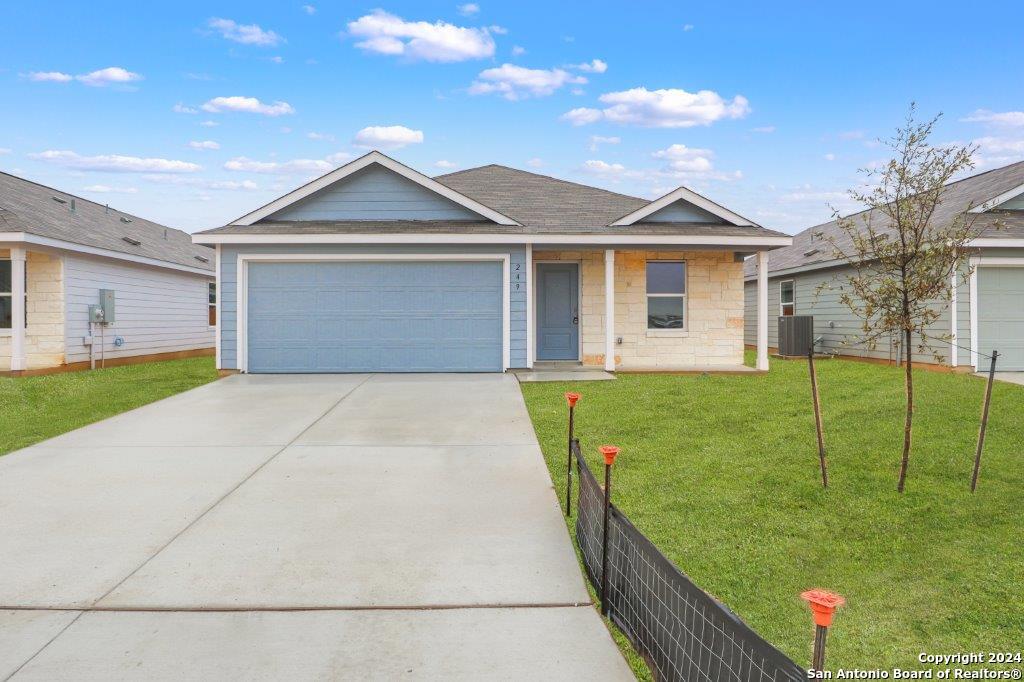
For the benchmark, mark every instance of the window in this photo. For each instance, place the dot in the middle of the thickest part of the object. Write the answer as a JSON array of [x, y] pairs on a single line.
[[212, 312], [666, 295], [7, 295], [787, 300]]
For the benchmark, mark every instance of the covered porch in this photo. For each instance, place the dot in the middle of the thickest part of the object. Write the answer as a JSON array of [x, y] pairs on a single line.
[[31, 308], [636, 309]]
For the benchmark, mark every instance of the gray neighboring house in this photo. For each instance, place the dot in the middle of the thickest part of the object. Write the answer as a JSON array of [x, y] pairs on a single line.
[[375, 267], [57, 251], [987, 311]]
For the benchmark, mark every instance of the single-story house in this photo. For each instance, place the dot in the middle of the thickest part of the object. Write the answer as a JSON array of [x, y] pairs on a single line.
[[987, 310], [377, 267], [59, 251]]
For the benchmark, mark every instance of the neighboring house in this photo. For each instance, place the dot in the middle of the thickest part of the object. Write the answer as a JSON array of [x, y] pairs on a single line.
[[987, 311], [57, 251], [376, 267]]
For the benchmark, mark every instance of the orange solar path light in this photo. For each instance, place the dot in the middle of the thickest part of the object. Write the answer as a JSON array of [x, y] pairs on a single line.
[[571, 399], [609, 452], [823, 605]]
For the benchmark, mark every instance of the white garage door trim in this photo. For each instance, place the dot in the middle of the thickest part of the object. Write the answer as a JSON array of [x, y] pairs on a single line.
[[984, 262], [243, 285]]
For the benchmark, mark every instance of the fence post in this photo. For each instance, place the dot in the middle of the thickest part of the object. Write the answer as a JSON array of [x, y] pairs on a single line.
[[817, 417], [572, 399], [823, 605], [984, 421], [609, 452]]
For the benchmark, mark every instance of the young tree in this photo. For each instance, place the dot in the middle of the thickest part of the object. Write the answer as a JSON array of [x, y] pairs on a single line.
[[904, 251]]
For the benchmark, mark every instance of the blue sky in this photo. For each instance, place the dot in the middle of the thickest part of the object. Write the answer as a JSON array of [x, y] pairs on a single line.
[[193, 113]]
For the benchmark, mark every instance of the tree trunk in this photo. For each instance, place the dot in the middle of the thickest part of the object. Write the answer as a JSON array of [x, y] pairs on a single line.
[[908, 424]]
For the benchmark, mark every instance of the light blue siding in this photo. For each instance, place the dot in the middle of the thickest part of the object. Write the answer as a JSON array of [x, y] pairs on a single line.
[[1014, 204], [229, 291], [375, 193], [682, 212]]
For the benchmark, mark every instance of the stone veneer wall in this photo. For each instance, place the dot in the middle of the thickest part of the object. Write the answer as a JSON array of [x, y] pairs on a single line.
[[714, 334], [44, 337]]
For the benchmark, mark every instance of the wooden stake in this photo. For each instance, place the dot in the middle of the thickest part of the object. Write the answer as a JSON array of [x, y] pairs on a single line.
[[817, 418], [984, 421]]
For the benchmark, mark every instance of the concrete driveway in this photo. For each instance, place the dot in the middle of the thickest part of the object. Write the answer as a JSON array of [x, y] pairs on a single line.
[[299, 527]]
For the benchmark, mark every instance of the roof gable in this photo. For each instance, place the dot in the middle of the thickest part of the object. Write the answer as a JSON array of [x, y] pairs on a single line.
[[276, 207], [688, 197], [682, 212]]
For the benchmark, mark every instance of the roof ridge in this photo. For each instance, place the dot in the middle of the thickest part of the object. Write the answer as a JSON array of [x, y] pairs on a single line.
[[540, 175]]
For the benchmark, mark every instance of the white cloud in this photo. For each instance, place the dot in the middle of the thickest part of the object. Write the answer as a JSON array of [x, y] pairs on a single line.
[[763, 129], [598, 140], [204, 144], [687, 27], [1010, 119], [851, 135], [320, 136], [535, 163], [593, 66], [225, 185], [469, 9], [278, 59], [667, 108], [209, 124], [597, 167], [685, 159], [998, 151], [385, 33], [50, 77], [115, 163], [387, 137], [830, 157], [112, 75], [517, 82], [443, 163], [180, 108], [247, 104], [245, 164], [498, 30], [309, 9], [108, 189], [581, 116], [246, 34], [4, 151], [518, 51]]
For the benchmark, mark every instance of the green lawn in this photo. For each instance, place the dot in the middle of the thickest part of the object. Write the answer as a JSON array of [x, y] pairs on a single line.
[[40, 407], [721, 472]]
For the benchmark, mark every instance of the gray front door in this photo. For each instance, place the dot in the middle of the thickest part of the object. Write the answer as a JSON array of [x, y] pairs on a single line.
[[1001, 316], [558, 329], [349, 316]]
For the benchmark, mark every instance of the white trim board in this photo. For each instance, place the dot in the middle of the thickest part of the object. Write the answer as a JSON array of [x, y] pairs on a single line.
[[996, 243], [998, 199], [976, 262], [242, 287], [29, 238], [359, 164], [517, 238], [684, 194]]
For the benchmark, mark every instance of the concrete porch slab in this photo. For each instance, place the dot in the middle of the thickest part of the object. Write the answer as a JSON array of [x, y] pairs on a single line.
[[536, 375], [457, 644], [23, 633]]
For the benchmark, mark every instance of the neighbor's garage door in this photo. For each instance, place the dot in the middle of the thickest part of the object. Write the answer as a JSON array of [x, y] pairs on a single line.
[[375, 317], [1001, 315]]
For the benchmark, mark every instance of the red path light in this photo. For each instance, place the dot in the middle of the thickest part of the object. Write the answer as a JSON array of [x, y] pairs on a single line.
[[572, 399], [823, 605], [610, 452]]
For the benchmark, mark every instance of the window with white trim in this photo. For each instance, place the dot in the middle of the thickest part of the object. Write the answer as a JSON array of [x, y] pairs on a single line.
[[7, 295], [787, 298], [666, 294], [211, 290]]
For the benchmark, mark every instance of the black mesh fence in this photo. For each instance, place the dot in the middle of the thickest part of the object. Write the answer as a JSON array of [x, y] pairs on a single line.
[[681, 631]]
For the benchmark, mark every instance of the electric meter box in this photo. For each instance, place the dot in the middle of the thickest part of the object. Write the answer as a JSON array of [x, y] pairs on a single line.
[[107, 305]]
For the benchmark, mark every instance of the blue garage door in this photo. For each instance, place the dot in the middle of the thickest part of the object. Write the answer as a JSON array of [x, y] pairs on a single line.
[[375, 317]]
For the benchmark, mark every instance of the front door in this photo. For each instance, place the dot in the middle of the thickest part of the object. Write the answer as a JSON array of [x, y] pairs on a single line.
[[558, 321]]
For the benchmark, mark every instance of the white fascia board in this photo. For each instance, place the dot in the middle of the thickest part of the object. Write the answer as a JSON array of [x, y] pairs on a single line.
[[997, 200], [359, 164], [519, 238], [686, 195], [996, 242], [28, 238]]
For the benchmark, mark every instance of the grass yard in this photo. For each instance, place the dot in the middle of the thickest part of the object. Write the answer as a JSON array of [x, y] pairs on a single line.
[[35, 408], [721, 472]]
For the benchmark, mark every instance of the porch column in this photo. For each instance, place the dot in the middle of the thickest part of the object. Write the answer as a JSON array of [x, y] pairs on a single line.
[[609, 310], [17, 308], [762, 310]]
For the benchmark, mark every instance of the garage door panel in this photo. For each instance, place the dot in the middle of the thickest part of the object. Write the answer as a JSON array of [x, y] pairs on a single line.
[[1001, 314], [368, 317]]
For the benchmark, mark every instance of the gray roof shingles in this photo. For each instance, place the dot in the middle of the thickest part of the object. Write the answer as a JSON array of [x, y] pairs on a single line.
[[26, 206], [956, 198], [541, 204]]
